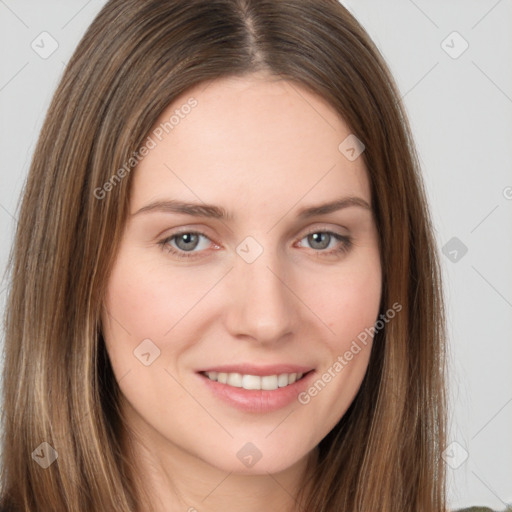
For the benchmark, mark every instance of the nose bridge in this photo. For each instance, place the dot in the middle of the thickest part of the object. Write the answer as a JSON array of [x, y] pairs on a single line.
[[262, 305]]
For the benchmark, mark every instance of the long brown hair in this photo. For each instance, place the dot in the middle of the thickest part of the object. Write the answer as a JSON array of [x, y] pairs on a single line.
[[136, 57]]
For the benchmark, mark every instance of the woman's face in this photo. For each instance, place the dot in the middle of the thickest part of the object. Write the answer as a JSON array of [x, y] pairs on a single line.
[[245, 284]]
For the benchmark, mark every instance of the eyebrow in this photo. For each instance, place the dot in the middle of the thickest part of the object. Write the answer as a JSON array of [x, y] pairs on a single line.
[[217, 212]]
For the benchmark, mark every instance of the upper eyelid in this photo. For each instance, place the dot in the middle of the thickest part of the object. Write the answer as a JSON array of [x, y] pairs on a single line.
[[313, 229]]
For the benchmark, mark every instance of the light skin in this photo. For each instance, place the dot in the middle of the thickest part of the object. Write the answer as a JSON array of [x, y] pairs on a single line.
[[263, 149]]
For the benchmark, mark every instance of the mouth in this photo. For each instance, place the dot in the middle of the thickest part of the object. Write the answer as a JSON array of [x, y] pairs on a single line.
[[257, 390], [253, 389], [255, 382]]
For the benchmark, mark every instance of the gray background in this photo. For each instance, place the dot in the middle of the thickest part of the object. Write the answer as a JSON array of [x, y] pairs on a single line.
[[460, 107]]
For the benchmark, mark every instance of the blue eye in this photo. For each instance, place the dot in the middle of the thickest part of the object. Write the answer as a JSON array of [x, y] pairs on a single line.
[[319, 238], [182, 245], [185, 241]]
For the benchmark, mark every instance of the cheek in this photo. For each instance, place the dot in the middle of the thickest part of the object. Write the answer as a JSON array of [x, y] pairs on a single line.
[[350, 308], [147, 300], [349, 302]]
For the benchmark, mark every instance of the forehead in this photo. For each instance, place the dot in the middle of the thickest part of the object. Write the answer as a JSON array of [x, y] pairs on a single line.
[[248, 138]]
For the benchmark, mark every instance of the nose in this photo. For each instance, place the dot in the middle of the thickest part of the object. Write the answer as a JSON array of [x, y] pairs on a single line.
[[262, 306]]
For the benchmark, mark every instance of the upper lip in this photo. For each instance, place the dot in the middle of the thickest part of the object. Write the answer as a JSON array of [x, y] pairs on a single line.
[[251, 369]]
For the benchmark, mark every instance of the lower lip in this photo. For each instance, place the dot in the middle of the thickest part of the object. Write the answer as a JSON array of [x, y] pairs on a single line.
[[258, 400]]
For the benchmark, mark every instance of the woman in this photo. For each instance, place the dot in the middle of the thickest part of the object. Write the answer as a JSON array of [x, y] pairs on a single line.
[[166, 346]]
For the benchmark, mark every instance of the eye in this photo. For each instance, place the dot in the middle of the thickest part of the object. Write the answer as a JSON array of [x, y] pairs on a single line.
[[185, 243], [321, 240]]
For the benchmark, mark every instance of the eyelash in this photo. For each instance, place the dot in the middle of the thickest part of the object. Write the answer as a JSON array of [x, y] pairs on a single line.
[[343, 248]]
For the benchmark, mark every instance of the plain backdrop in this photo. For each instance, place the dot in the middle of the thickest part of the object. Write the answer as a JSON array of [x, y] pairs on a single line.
[[452, 61]]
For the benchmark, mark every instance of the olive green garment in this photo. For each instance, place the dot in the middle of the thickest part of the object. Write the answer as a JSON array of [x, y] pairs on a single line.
[[480, 509], [475, 509]]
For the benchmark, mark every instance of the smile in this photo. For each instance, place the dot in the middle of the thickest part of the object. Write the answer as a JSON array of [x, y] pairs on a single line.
[[267, 382]]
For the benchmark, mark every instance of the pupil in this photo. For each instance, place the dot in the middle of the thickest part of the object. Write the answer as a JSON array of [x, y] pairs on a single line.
[[187, 238], [317, 238]]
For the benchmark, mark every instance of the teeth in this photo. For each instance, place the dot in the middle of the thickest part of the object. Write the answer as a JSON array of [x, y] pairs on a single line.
[[282, 380], [251, 382], [268, 382], [235, 380]]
